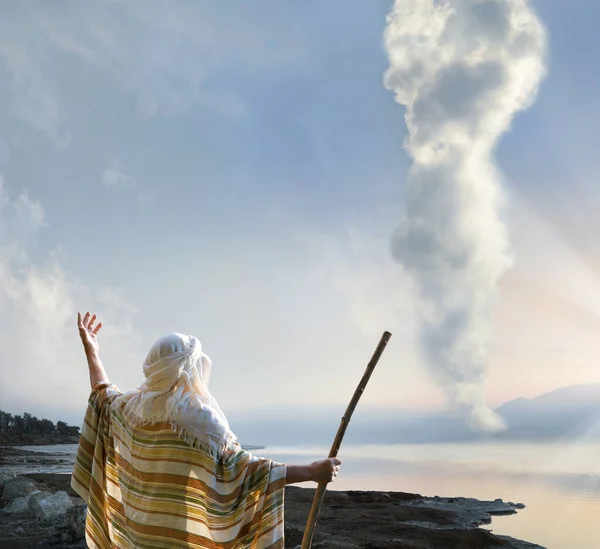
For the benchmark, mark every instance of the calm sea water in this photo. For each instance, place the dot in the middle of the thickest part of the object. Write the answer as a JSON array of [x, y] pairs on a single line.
[[559, 483]]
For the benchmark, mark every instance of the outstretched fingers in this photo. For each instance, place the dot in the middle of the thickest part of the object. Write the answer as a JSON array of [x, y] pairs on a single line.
[[90, 325], [87, 323]]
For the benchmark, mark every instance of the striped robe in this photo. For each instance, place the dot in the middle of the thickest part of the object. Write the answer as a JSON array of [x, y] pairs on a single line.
[[148, 488]]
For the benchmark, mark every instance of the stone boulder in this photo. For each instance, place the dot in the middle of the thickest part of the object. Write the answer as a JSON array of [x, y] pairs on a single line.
[[17, 488], [35, 497], [52, 506], [18, 506], [74, 526], [4, 478]]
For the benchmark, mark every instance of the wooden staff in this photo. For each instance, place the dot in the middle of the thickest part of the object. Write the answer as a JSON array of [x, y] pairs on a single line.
[[337, 442]]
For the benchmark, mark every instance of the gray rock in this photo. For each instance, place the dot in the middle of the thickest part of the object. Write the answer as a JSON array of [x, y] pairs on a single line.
[[17, 488], [75, 522], [4, 478], [519, 544], [470, 512], [51, 506], [336, 497], [18, 506], [35, 497], [19, 531], [335, 544]]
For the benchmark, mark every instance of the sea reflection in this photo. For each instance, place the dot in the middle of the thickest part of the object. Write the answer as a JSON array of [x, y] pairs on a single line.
[[559, 485]]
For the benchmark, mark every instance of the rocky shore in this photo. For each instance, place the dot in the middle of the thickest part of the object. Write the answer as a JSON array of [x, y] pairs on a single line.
[[14, 459], [40, 510]]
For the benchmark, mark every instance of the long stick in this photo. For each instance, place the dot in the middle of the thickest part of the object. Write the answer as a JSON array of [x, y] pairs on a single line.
[[337, 442]]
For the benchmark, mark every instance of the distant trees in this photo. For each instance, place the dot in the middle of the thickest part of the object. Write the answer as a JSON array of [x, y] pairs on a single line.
[[28, 424], [18, 424], [5, 421], [45, 427], [63, 429]]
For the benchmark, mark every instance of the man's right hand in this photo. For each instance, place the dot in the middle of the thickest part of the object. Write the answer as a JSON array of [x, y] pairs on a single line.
[[88, 332], [324, 470]]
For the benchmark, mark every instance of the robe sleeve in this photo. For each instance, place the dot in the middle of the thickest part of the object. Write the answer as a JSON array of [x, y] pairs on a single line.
[[93, 441], [260, 497]]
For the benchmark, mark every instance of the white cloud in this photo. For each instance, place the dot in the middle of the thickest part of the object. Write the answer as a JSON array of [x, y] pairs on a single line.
[[462, 69], [41, 363], [114, 178]]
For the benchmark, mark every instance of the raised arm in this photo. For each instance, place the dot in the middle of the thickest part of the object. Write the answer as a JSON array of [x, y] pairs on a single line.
[[88, 332]]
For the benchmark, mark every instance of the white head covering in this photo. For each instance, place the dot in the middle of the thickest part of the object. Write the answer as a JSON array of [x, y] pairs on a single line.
[[176, 391]]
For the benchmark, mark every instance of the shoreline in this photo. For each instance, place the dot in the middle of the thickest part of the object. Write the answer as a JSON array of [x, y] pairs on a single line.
[[14, 440], [349, 519]]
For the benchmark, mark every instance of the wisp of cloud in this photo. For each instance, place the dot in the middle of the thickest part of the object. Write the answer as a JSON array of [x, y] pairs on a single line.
[[462, 69]]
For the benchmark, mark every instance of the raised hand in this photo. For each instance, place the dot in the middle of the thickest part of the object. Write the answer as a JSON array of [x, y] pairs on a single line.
[[88, 332]]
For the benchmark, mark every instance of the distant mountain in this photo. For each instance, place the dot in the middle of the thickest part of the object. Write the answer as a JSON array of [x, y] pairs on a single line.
[[566, 412], [572, 397]]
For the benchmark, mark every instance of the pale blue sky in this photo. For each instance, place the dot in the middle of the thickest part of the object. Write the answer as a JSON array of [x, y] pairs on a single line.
[[235, 171]]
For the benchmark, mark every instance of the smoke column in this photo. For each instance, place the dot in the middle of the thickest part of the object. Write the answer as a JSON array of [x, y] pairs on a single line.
[[462, 69]]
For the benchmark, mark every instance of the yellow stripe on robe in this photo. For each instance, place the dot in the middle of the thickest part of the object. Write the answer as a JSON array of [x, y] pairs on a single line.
[[147, 488]]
